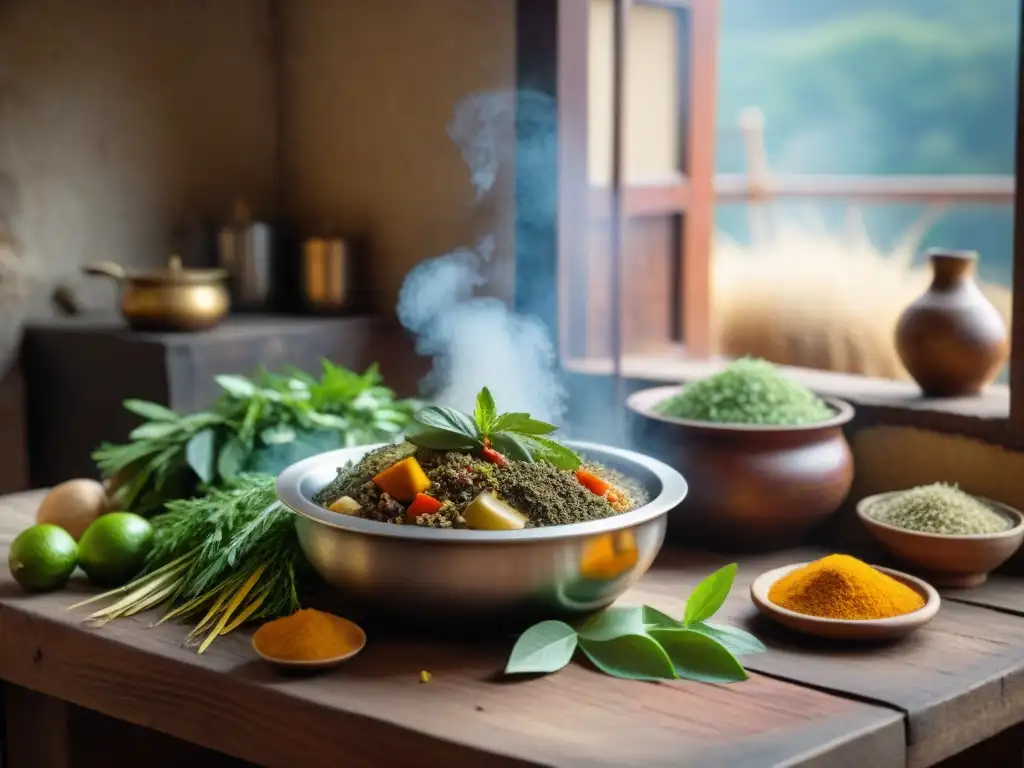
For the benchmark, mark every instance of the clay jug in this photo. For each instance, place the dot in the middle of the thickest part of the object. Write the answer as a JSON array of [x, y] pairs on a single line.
[[952, 340]]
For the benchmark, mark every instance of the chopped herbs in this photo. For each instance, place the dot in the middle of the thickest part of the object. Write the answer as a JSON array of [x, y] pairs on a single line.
[[938, 508], [749, 392]]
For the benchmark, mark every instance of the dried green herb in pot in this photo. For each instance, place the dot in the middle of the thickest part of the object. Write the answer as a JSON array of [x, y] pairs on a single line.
[[749, 392], [938, 508]]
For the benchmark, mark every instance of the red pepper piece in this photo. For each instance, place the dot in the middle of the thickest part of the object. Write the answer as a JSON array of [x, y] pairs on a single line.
[[493, 456], [423, 505], [592, 482]]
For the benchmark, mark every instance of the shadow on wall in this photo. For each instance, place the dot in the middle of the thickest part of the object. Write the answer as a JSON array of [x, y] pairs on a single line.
[[807, 297]]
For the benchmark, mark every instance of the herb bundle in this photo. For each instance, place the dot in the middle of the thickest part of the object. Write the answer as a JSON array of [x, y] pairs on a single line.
[[258, 425], [642, 643], [230, 556], [516, 435]]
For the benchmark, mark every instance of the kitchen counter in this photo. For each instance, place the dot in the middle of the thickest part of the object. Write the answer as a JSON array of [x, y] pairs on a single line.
[[956, 684]]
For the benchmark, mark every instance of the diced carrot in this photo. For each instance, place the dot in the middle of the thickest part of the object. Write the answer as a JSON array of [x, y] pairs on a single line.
[[493, 456], [423, 505], [403, 480], [592, 482]]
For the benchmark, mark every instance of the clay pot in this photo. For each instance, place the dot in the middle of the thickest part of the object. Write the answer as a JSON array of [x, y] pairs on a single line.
[[952, 340], [751, 487]]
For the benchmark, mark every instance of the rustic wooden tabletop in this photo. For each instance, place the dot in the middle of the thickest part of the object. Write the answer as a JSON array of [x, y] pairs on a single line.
[[916, 702]]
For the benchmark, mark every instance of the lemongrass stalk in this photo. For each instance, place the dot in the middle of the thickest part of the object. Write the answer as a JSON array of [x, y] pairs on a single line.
[[232, 606], [226, 590], [137, 595], [249, 610], [131, 585], [192, 605], [139, 607]]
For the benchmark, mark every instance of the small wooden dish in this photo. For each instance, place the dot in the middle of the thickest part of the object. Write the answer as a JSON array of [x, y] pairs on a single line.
[[845, 629], [948, 560], [315, 664]]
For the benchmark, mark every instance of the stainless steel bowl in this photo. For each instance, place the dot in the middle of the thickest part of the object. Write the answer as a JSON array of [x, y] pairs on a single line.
[[438, 574]]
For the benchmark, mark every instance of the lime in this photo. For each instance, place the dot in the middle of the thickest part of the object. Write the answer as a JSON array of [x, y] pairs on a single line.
[[43, 557], [113, 549]]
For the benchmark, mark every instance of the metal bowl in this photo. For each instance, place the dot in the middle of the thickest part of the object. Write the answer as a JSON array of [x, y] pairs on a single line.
[[439, 574]]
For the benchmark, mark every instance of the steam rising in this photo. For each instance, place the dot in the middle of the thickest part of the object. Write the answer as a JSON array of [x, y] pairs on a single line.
[[478, 341]]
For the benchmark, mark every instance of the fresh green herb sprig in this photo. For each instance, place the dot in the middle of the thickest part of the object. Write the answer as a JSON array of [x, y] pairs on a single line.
[[642, 643], [516, 435], [258, 425], [230, 556]]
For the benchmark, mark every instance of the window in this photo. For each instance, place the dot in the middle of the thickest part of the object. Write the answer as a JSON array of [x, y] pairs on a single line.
[[669, 191]]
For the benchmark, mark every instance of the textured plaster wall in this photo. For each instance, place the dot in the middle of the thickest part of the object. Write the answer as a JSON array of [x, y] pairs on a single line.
[[368, 90], [122, 121]]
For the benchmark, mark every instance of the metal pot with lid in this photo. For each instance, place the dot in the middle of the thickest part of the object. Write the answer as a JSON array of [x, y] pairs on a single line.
[[171, 299]]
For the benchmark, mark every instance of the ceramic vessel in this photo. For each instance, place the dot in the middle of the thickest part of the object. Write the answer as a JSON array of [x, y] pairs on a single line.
[[758, 487], [946, 560], [846, 629], [952, 340]]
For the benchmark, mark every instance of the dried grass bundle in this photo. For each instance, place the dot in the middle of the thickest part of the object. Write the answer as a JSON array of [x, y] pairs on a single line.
[[804, 296]]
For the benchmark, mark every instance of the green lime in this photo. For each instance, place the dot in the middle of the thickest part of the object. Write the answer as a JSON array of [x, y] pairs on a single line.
[[43, 557], [113, 549]]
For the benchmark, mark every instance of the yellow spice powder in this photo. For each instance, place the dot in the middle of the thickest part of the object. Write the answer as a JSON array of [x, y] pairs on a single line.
[[843, 587]]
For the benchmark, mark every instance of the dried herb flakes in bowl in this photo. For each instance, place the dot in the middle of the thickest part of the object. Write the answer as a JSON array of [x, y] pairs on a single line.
[[747, 392]]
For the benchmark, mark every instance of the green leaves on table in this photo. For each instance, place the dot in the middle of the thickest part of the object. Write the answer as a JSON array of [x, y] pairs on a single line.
[[643, 643], [256, 425], [544, 647], [516, 435]]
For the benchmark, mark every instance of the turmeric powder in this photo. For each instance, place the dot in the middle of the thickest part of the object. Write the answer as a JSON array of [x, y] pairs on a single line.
[[309, 635], [843, 587]]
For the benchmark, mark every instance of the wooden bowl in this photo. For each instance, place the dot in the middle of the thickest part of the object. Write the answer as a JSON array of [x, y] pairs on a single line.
[[315, 664], [846, 629], [948, 560], [752, 487]]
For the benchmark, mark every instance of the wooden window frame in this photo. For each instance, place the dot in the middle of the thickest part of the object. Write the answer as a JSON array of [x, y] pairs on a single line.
[[552, 51]]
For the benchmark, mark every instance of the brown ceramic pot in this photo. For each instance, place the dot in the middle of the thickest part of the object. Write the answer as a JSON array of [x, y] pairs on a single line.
[[952, 340], [751, 487]]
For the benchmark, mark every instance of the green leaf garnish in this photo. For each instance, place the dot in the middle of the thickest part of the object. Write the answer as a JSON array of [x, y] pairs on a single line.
[[516, 435], [642, 643], [486, 412], [697, 656], [436, 439], [448, 419], [546, 449], [709, 595], [512, 445], [543, 648]]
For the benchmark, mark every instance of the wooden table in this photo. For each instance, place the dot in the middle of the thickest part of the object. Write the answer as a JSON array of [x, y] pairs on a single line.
[[956, 684]]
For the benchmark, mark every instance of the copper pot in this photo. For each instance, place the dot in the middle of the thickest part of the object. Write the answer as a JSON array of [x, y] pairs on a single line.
[[751, 487], [174, 299]]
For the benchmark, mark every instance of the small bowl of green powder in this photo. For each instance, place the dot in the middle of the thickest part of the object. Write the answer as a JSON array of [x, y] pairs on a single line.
[[768, 457], [955, 537]]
